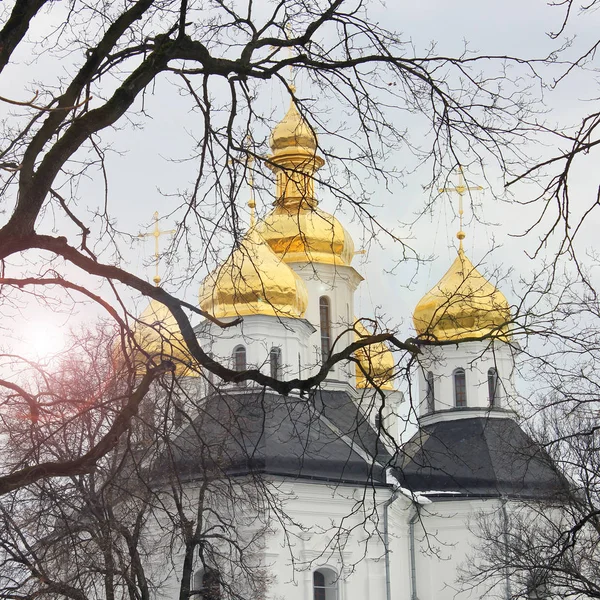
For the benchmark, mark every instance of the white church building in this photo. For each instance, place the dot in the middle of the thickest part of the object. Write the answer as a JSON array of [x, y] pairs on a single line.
[[364, 518]]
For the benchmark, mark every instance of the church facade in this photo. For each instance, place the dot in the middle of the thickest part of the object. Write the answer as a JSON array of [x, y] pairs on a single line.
[[330, 506]]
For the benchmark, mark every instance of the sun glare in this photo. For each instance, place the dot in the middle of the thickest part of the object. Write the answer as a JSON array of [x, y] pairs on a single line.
[[42, 340]]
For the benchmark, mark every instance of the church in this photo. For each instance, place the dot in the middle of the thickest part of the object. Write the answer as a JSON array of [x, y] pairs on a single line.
[[316, 498]]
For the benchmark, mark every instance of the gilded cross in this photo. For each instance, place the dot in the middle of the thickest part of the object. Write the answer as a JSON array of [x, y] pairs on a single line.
[[290, 52], [156, 233], [289, 35], [250, 171], [461, 189]]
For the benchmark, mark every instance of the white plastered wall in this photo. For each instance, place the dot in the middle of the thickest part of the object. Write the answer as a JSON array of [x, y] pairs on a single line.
[[447, 547], [338, 283], [258, 334], [476, 358], [358, 559]]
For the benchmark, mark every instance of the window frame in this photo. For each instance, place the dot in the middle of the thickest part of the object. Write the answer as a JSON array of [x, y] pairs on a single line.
[[275, 363], [203, 587], [430, 392], [378, 422], [460, 392], [325, 326], [210, 375], [493, 380], [238, 351], [325, 591]]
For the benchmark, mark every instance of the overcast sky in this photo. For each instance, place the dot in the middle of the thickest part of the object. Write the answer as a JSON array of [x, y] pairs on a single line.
[[142, 176]]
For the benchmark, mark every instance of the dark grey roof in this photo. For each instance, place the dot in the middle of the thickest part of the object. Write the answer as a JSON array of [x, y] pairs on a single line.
[[324, 436], [478, 456]]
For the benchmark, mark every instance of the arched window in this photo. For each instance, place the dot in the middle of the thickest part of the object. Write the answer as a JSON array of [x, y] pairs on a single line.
[[239, 361], [430, 393], [299, 366], [325, 584], [211, 375], [460, 388], [178, 414], [493, 388], [275, 361], [325, 322], [378, 422], [207, 584], [239, 358]]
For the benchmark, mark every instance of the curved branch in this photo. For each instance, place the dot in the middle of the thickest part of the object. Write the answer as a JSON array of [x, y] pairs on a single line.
[[86, 463]]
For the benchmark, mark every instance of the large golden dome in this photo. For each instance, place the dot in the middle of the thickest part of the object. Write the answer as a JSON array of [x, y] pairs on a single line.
[[376, 359], [254, 281], [307, 234], [463, 304], [296, 229], [158, 335]]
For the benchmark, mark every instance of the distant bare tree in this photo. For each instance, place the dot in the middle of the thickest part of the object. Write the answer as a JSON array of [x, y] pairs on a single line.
[[549, 548], [123, 529]]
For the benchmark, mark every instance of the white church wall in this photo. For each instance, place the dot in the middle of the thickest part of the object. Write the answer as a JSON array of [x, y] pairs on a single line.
[[476, 358], [446, 545], [234, 526], [338, 283], [335, 528], [339, 528], [341, 531]]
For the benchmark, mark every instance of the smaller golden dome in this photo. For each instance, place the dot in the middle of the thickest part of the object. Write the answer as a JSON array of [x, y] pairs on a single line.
[[376, 359], [294, 160], [463, 304], [307, 234], [158, 335], [254, 281], [293, 132]]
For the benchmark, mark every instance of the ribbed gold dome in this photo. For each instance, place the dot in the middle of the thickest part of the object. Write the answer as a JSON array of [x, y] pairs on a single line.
[[254, 281], [158, 335], [307, 234], [377, 360], [293, 133], [462, 305], [296, 229]]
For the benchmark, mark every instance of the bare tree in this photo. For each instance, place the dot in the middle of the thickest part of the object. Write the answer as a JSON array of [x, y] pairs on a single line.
[[60, 243], [123, 529], [549, 547], [109, 59]]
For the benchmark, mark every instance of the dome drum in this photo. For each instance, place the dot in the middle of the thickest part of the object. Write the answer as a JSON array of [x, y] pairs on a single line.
[[294, 187]]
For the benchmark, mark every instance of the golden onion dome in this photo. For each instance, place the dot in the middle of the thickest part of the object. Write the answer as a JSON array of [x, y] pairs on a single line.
[[254, 281], [463, 304], [307, 234], [158, 336], [296, 229], [376, 359], [294, 160], [293, 132]]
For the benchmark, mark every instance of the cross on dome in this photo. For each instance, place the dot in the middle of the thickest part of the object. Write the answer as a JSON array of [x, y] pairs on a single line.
[[156, 233], [460, 189]]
